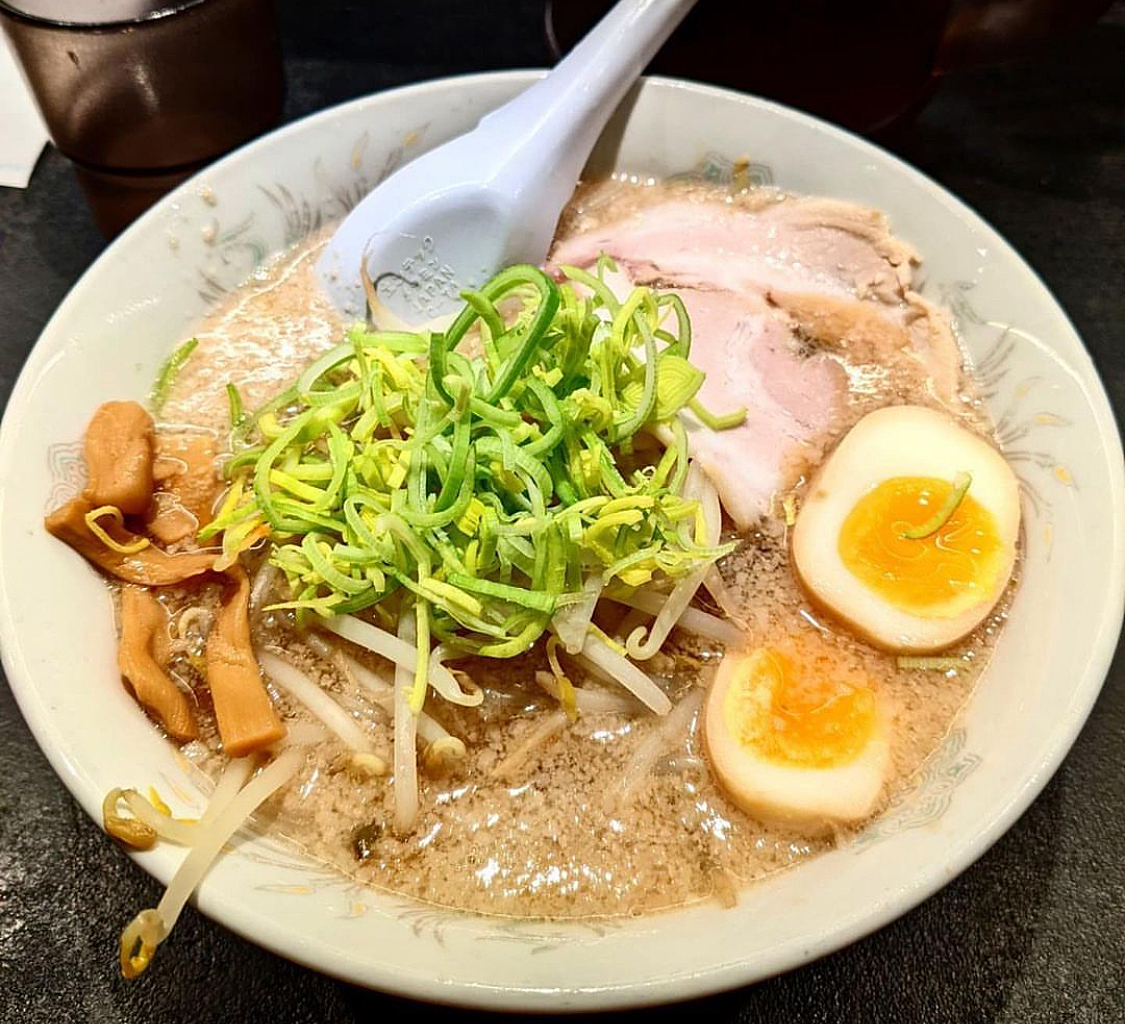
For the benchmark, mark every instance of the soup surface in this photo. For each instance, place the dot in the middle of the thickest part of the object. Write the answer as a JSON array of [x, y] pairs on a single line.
[[618, 812]]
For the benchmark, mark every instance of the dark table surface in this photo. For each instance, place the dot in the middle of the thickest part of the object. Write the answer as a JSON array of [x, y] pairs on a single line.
[[1033, 932]]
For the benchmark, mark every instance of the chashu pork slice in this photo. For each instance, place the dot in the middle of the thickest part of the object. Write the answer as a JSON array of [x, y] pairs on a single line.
[[793, 245], [784, 294], [791, 400]]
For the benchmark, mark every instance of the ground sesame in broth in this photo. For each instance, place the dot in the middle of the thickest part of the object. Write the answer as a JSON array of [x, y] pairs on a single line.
[[545, 818], [259, 339]]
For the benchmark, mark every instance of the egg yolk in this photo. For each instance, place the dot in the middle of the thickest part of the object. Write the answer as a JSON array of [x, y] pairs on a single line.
[[938, 576], [795, 713]]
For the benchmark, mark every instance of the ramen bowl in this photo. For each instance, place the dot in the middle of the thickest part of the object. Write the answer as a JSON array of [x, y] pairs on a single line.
[[109, 336]]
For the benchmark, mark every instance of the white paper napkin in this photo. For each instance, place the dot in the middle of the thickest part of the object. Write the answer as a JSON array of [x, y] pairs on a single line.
[[22, 134]]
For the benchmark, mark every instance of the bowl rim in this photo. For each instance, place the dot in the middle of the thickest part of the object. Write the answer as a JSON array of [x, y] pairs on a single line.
[[721, 976]]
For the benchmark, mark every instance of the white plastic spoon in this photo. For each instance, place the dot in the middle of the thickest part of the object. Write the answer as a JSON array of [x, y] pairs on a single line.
[[492, 197]]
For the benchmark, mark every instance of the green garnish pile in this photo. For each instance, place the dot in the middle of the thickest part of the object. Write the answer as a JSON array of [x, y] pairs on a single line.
[[491, 487]]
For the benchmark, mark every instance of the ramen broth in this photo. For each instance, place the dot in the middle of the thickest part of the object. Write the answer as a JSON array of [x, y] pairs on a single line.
[[616, 812]]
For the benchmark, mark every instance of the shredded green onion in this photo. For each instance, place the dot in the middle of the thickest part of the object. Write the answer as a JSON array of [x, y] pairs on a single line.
[[936, 664], [478, 493], [98, 530], [567, 696], [237, 415], [168, 374], [717, 421], [961, 484]]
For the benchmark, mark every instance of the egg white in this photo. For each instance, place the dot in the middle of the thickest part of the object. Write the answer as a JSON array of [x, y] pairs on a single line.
[[899, 441]]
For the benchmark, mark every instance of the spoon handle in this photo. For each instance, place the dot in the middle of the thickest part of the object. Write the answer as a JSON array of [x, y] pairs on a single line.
[[492, 197], [565, 111]]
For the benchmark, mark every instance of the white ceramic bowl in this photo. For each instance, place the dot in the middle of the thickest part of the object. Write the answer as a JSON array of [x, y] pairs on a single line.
[[142, 295]]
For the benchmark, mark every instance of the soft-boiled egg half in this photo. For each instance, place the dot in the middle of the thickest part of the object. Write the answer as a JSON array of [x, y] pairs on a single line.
[[795, 736], [908, 531]]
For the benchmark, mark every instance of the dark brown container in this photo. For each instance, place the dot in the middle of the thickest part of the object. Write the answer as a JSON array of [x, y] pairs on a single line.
[[141, 94], [868, 66]]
